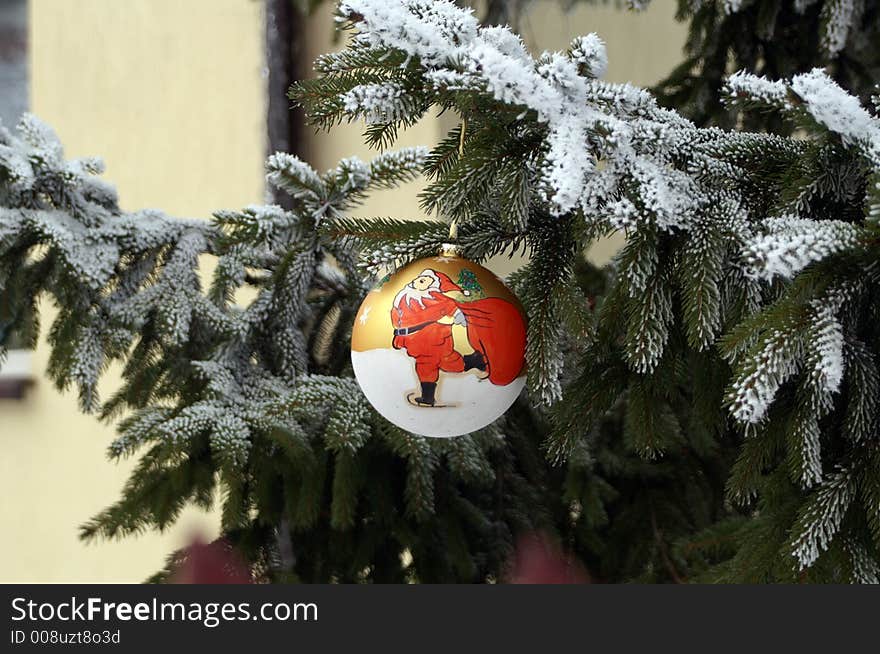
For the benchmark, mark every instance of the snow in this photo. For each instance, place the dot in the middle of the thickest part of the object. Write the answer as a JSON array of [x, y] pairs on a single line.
[[386, 376], [777, 361], [811, 344], [826, 341], [353, 173], [825, 514], [609, 150], [790, 244], [840, 112], [114, 271], [457, 52], [589, 51], [567, 168], [428, 29], [731, 6], [377, 103], [839, 17], [744, 83], [506, 42], [291, 173]]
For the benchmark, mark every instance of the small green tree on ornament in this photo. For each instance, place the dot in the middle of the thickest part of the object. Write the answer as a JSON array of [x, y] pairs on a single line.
[[468, 282]]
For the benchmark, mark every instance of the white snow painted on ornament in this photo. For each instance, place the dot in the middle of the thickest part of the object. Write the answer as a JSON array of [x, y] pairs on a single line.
[[387, 376]]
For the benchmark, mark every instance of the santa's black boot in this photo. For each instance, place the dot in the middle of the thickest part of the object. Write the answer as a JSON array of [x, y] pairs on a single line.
[[474, 360], [427, 396]]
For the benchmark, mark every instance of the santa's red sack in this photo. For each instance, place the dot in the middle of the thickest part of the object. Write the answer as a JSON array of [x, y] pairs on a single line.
[[497, 329]]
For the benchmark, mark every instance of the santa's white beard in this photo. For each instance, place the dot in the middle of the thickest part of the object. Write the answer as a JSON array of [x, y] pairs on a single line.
[[410, 293]]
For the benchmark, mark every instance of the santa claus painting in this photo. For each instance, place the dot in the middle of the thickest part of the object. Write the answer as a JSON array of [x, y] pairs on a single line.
[[438, 347], [445, 329]]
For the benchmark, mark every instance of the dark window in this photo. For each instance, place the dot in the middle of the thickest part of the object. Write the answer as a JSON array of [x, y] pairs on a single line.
[[13, 60], [15, 372]]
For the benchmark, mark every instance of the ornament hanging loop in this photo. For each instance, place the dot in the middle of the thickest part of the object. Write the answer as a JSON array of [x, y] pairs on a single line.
[[450, 248]]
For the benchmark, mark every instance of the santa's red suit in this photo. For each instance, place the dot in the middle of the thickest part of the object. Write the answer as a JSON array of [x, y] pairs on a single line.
[[495, 330]]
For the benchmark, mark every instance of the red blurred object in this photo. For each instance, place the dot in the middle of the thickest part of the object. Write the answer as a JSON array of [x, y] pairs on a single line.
[[540, 560], [212, 563]]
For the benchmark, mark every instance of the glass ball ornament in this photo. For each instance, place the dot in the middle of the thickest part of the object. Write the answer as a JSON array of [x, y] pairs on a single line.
[[438, 347]]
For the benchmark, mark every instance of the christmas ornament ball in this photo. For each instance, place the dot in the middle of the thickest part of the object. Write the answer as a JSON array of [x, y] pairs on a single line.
[[438, 347]]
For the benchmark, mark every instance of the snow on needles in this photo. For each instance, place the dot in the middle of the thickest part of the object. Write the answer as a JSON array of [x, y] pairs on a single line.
[[790, 244], [812, 343], [378, 103], [586, 117], [840, 112], [589, 51], [450, 42]]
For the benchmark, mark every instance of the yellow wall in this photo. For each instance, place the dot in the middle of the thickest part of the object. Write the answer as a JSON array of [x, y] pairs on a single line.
[[643, 46], [170, 93]]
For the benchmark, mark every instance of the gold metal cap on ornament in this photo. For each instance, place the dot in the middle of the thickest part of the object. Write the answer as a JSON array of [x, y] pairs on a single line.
[[438, 346], [449, 250]]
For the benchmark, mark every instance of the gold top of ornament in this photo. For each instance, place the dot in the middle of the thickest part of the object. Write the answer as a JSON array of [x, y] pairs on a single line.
[[449, 250], [373, 325]]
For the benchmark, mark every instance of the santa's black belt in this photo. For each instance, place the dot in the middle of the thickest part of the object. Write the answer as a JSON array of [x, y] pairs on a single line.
[[406, 331]]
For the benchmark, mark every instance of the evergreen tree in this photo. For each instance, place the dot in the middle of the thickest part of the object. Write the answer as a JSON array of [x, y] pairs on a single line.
[[773, 38], [552, 158], [248, 394], [702, 409]]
